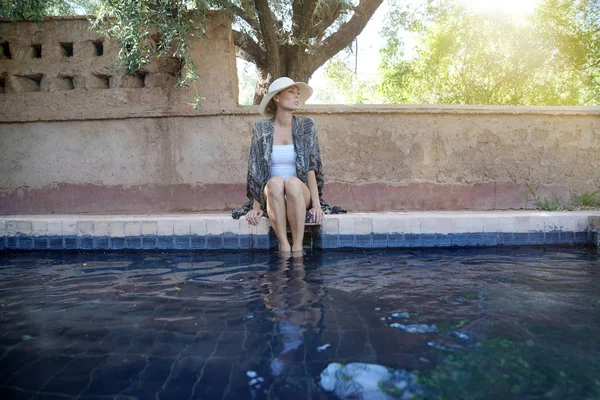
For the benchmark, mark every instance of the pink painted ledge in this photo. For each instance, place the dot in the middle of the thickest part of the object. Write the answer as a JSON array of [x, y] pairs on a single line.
[[67, 198]]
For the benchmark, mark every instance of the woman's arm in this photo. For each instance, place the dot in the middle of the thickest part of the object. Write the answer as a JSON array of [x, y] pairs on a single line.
[[316, 213], [314, 161], [314, 190], [254, 215], [315, 174]]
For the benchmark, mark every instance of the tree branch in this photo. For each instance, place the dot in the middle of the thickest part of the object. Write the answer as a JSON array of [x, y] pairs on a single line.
[[248, 16], [267, 28], [302, 15], [346, 34], [319, 28], [248, 49]]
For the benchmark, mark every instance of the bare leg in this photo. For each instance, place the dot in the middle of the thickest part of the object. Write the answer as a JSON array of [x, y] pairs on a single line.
[[298, 197], [274, 193]]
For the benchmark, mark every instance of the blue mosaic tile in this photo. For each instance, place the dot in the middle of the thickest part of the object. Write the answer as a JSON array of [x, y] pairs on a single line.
[[40, 243], [536, 237], [346, 241], [552, 237], [55, 243], [86, 243], [11, 242], [214, 242], [117, 243], [164, 242], [260, 242], [395, 240], [428, 240], [101, 243], [330, 242], [506, 239], [364, 241], [460, 239], [245, 242], [567, 237], [70, 243], [25, 243], [317, 240], [412, 240], [475, 239], [198, 242], [490, 239], [442, 240], [581, 237], [182, 242], [149, 242], [380, 240], [133, 242], [231, 242], [520, 238]]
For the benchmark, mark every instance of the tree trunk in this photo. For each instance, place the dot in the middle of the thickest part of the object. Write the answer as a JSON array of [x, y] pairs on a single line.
[[278, 53], [263, 80], [296, 69]]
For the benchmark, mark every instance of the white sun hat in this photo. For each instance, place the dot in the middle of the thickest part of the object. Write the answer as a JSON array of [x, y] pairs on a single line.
[[277, 86]]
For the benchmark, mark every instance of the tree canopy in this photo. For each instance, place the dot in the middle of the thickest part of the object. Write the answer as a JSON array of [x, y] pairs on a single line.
[[464, 57]]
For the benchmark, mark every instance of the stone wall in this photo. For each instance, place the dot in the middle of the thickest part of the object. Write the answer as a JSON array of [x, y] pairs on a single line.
[[138, 146]]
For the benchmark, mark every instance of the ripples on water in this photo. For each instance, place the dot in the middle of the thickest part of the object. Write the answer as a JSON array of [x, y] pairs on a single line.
[[515, 323]]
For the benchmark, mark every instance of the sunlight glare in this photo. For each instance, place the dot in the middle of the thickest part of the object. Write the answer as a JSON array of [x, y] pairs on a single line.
[[512, 7]]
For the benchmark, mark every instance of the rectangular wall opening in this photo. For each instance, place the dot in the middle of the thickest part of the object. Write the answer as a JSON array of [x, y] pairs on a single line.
[[98, 47], [98, 81], [30, 83], [35, 51], [5, 53], [137, 80], [2, 83], [64, 82], [66, 49]]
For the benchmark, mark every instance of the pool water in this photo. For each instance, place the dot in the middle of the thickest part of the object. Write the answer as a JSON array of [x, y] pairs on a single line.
[[493, 323]]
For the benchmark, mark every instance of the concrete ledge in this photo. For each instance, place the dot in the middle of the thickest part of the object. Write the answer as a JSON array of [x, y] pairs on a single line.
[[121, 97], [359, 230]]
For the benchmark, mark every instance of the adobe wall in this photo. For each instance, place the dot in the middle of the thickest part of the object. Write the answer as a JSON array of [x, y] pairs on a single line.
[[91, 149], [62, 70]]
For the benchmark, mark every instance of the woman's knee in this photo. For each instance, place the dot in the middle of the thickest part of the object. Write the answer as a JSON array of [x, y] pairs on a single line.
[[275, 187], [293, 187]]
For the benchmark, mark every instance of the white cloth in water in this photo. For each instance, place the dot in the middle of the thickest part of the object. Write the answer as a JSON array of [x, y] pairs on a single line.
[[283, 161]]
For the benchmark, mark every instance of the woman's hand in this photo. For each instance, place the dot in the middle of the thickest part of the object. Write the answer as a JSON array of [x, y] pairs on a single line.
[[316, 215], [253, 216]]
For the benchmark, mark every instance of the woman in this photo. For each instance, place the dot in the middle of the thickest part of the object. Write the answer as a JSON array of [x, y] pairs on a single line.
[[285, 177]]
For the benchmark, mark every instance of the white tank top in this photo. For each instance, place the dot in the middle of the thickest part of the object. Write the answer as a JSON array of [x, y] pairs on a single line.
[[283, 161]]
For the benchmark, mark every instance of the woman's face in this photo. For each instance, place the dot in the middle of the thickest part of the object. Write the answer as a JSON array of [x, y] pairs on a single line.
[[288, 99]]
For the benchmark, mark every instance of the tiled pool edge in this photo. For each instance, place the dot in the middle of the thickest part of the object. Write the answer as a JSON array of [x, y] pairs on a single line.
[[361, 230]]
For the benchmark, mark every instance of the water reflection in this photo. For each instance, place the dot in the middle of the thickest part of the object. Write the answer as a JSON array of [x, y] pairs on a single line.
[[235, 325], [296, 305]]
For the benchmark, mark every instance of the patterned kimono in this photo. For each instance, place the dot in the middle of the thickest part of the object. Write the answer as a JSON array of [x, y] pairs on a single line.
[[308, 158]]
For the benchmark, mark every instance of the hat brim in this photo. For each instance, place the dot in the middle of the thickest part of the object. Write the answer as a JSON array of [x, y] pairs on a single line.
[[305, 92]]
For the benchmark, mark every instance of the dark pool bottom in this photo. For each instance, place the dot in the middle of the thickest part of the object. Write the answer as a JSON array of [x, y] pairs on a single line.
[[501, 323]]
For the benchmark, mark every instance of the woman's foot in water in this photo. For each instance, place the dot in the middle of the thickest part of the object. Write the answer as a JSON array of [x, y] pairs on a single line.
[[297, 254], [285, 250]]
